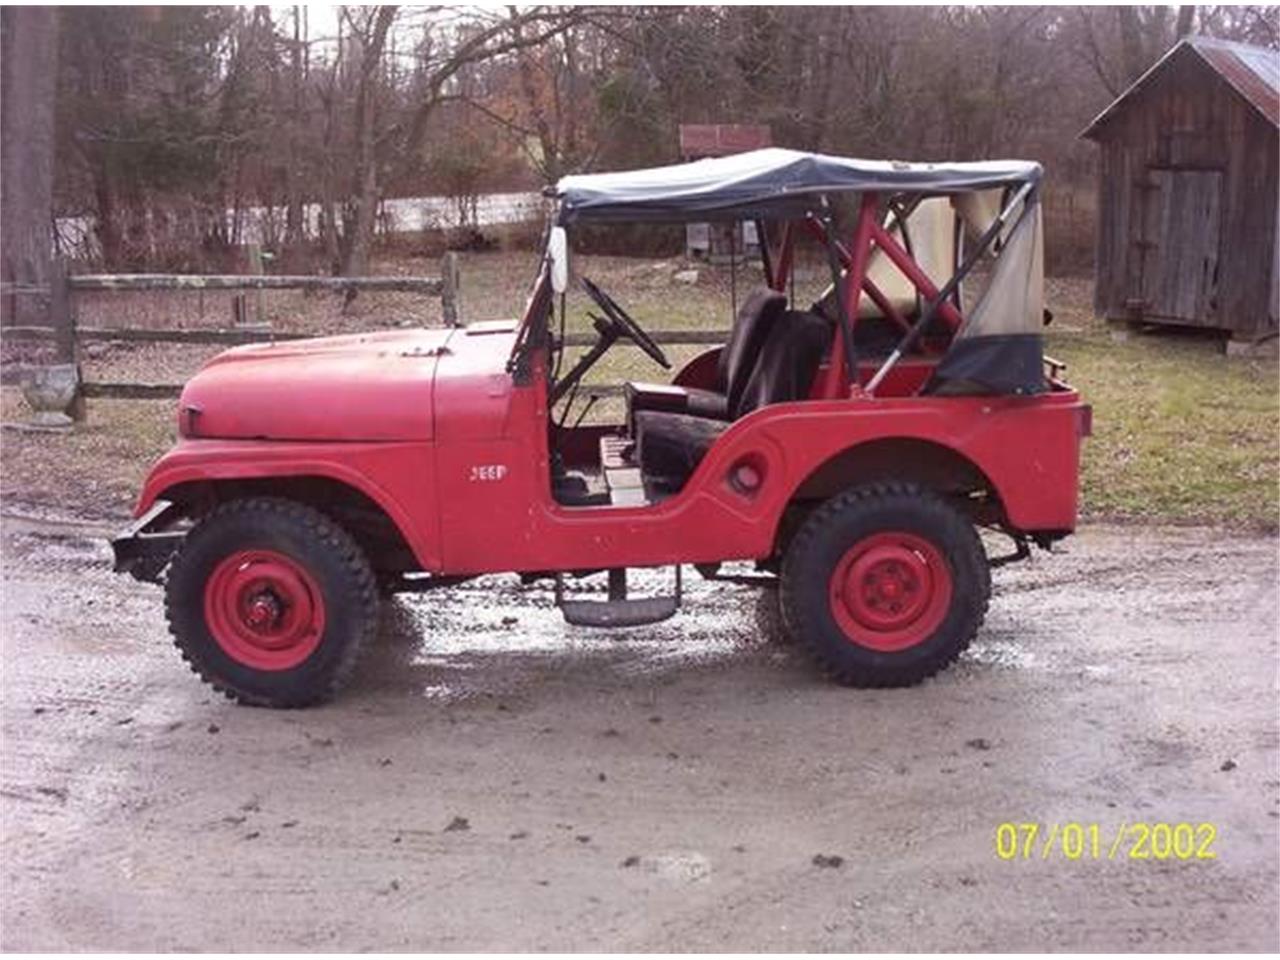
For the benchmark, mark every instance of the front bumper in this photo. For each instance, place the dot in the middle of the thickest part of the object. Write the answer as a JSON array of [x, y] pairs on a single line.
[[144, 548]]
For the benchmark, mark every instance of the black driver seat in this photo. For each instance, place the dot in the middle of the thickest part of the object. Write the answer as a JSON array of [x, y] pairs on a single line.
[[756, 318], [669, 446]]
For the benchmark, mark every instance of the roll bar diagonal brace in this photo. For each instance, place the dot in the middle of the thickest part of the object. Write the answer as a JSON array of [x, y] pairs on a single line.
[[940, 300], [850, 265]]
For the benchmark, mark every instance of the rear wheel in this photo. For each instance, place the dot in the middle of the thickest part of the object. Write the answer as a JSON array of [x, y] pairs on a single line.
[[270, 602], [885, 585]]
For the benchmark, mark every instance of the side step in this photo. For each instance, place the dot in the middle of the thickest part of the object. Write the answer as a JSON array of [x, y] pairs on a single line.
[[617, 611]]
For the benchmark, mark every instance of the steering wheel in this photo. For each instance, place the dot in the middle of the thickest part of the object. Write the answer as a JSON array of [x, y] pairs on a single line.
[[625, 324]]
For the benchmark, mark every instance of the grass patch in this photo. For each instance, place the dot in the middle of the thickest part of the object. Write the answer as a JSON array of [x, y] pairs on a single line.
[[1181, 433], [96, 470]]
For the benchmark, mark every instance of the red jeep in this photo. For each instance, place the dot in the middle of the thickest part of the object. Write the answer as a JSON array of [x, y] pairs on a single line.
[[851, 447]]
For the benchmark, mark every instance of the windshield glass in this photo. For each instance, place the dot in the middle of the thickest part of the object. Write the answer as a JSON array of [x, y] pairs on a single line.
[[536, 310]]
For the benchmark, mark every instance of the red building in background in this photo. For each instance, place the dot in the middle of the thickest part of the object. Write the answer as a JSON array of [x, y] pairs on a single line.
[[699, 141]]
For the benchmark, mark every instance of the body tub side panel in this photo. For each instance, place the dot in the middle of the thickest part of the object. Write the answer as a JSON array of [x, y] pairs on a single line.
[[498, 513]]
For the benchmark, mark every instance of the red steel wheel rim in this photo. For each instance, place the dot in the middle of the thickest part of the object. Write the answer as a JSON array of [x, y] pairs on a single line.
[[264, 609], [890, 591]]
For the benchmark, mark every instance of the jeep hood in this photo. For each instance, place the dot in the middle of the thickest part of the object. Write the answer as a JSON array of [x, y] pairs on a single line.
[[374, 386]]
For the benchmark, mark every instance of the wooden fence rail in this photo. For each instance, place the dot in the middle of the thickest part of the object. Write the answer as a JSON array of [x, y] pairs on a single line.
[[66, 333], [236, 337], [158, 391], [431, 286], [229, 338]]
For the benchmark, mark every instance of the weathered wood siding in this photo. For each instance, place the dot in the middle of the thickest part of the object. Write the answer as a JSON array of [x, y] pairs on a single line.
[[1189, 119]]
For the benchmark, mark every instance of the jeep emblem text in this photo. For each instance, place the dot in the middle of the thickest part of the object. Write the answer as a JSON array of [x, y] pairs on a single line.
[[488, 472]]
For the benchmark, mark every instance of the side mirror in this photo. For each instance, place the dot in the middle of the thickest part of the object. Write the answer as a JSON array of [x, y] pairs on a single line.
[[558, 251]]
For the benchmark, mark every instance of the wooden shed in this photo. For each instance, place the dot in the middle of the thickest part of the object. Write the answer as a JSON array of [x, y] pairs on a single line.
[[1188, 193]]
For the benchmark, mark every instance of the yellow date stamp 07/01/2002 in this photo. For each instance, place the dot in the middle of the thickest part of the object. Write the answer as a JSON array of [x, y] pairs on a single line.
[[1094, 841]]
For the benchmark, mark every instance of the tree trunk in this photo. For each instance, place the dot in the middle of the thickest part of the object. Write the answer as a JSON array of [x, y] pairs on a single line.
[[295, 229], [328, 178], [356, 261], [1186, 20], [28, 85], [1131, 50], [548, 143], [571, 99]]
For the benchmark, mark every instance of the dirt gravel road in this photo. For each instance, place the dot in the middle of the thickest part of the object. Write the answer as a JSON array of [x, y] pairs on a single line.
[[497, 780]]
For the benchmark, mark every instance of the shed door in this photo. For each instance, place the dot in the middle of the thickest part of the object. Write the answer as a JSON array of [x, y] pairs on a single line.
[[1182, 214]]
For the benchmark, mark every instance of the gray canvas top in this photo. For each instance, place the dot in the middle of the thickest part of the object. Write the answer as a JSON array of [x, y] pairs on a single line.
[[765, 183]]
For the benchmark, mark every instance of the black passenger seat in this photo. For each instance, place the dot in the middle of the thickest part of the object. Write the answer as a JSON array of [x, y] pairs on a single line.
[[669, 446], [756, 318]]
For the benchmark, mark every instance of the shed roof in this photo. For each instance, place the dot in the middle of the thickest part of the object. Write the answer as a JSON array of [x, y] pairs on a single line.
[[1253, 72]]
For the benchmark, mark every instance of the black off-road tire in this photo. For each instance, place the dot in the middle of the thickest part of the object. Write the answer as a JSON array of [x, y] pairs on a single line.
[[313, 542], [836, 527]]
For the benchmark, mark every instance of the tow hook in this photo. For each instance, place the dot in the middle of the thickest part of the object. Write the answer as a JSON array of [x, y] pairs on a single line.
[[141, 551]]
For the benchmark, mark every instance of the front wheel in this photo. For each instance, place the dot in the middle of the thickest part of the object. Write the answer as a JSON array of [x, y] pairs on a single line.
[[270, 602], [885, 585]]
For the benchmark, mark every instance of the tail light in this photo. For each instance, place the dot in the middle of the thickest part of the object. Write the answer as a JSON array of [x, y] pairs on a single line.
[[1085, 420]]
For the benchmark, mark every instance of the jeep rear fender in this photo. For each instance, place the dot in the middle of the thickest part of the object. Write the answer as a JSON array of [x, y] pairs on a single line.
[[397, 477], [1024, 449], [895, 459]]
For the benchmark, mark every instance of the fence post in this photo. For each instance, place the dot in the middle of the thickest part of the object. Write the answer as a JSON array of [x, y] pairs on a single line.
[[449, 288], [255, 268], [62, 317], [240, 302]]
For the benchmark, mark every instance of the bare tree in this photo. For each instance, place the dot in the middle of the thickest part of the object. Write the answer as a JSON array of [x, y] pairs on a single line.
[[1121, 43], [188, 112], [28, 58], [370, 33], [295, 228]]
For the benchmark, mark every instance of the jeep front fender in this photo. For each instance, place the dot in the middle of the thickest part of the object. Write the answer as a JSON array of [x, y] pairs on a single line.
[[398, 477]]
